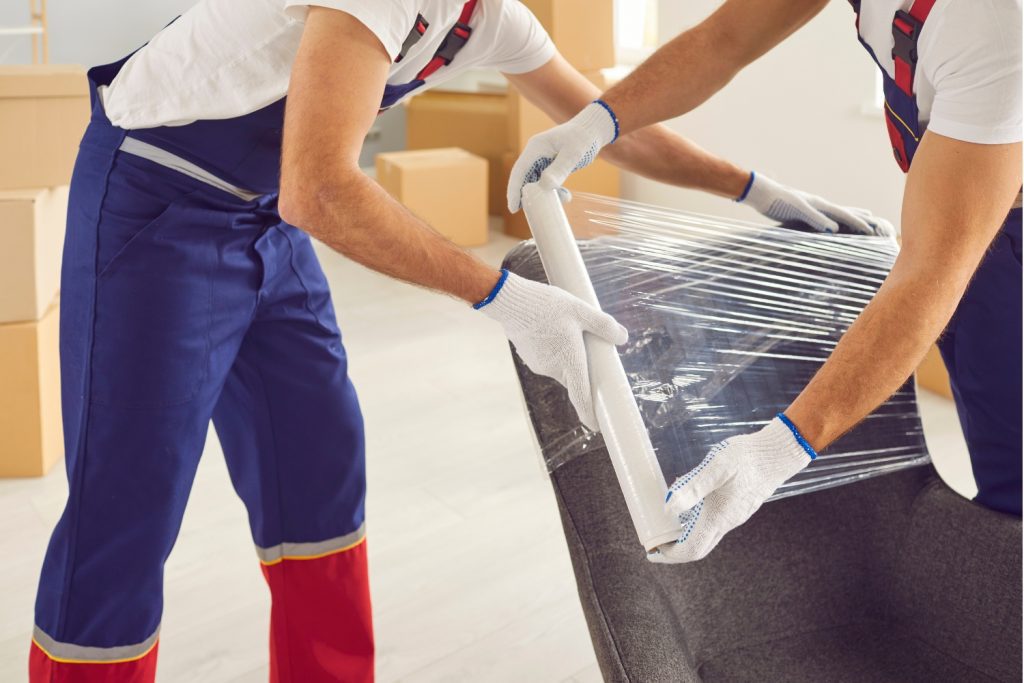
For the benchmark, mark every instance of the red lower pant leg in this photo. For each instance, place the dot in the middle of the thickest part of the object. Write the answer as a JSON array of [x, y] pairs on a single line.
[[320, 625], [44, 668]]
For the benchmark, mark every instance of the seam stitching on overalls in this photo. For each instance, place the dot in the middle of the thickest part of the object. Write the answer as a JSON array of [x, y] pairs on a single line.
[[78, 478]]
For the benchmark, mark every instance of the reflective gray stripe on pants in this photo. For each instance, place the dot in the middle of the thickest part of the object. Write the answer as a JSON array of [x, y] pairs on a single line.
[[183, 166], [81, 653], [299, 551]]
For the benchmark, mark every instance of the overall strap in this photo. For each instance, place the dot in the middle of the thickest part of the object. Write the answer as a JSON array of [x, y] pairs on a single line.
[[418, 29], [456, 39], [906, 29]]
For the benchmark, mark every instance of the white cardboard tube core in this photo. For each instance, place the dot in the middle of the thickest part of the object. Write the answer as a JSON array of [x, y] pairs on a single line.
[[625, 435]]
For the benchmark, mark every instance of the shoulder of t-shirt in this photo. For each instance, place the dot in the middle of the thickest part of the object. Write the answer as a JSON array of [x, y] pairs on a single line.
[[389, 20], [511, 27], [956, 28]]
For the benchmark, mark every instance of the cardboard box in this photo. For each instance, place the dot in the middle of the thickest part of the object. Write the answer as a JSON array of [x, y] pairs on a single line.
[[447, 188], [476, 122], [31, 239], [31, 436], [600, 177], [583, 30], [44, 110], [932, 375]]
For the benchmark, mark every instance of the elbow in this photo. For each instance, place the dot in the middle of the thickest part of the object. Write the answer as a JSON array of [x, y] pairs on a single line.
[[314, 205], [298, 206]]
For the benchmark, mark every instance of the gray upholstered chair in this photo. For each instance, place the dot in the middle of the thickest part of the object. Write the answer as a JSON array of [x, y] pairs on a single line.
[[895, 578]]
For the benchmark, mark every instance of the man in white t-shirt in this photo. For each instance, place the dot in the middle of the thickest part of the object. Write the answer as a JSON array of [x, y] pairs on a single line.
[[952, 75], [191, 291]]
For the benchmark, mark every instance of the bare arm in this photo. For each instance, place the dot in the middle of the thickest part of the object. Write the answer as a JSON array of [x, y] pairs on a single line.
[[654, 152], [957, 196], [324, 192], [698, 63]]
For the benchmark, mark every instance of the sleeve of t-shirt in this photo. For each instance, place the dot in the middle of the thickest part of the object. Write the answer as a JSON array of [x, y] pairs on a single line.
[[973, 57], [522, 45], [389, 20]]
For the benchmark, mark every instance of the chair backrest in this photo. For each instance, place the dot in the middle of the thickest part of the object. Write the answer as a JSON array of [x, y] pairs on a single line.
[[804, 563], [958, 583]]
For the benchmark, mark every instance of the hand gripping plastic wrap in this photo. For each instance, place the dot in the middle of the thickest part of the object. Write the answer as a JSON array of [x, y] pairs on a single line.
[[728, 322]]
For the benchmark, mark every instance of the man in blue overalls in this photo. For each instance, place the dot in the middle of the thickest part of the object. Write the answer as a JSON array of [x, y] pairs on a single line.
[[188, 294], [952, 72]]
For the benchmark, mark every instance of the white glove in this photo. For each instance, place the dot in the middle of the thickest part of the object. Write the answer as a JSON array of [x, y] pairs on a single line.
[[782, 203], [546, 325], [729, 485], [550, 157]]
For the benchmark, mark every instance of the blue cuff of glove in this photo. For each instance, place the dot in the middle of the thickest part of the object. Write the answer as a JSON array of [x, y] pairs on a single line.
[[746, 190], [798, 436], [615, 119], [494, 292]]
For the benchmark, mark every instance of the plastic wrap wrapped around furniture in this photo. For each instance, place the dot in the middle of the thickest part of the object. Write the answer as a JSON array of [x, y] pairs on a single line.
[[894, 579], [728, 322]]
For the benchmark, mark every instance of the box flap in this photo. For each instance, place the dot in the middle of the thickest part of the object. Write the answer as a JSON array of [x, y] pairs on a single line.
[[26, 195], [43, 80]]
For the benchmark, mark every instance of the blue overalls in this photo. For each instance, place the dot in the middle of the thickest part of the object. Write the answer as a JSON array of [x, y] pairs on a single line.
[[981, 346], [186, 298]]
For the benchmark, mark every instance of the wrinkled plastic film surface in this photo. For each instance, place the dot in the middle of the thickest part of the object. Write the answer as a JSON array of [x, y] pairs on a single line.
[[728, 322]]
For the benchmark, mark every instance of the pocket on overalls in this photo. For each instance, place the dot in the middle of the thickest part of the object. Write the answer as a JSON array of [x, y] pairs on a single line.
[[151, 333]]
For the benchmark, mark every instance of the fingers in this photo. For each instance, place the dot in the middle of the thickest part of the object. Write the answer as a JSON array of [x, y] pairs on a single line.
[[688, 490], [879, 225], [527, 169], [851, 219], [604, 326], [567, 160], [577, 383], [883, 228], [698, 537]]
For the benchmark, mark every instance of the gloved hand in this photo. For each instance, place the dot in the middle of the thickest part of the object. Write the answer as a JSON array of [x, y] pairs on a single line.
[[546, 325], [550, 157], [782, 203], [729, 485]]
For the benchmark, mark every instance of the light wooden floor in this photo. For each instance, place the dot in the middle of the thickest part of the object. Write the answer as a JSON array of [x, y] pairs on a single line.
[[471, 579]]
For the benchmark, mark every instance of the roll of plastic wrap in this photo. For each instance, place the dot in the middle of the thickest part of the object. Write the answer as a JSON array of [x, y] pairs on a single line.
[[625, 435]]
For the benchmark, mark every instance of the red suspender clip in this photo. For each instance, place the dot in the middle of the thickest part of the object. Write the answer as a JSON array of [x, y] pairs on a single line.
[[456, 39], [906, 29]]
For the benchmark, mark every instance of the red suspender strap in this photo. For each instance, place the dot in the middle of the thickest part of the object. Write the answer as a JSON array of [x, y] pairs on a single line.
[[906, 29], [456, 39]]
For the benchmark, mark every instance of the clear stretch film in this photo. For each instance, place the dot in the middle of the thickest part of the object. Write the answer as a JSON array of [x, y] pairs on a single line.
[[728, 321], [629, 446]]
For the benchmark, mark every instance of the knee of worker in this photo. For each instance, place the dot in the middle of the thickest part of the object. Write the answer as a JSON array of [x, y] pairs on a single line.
[[102, 581]]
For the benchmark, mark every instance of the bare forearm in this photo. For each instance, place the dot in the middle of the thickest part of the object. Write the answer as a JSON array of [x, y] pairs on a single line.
[[360, 220], [701, 61], [876, 355], [956, 199], [322, 189], [659, 154]]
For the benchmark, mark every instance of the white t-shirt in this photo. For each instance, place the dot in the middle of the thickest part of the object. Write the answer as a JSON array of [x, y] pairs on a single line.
[[228, 58], [968, 78]]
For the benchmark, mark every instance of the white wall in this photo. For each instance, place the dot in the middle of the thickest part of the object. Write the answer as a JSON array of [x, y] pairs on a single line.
[[90, 32], [798, 115]]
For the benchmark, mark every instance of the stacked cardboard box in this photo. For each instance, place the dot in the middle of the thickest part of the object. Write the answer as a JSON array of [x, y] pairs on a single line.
[[475, 122], [43, 112], [446, 187], [583, 30]]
